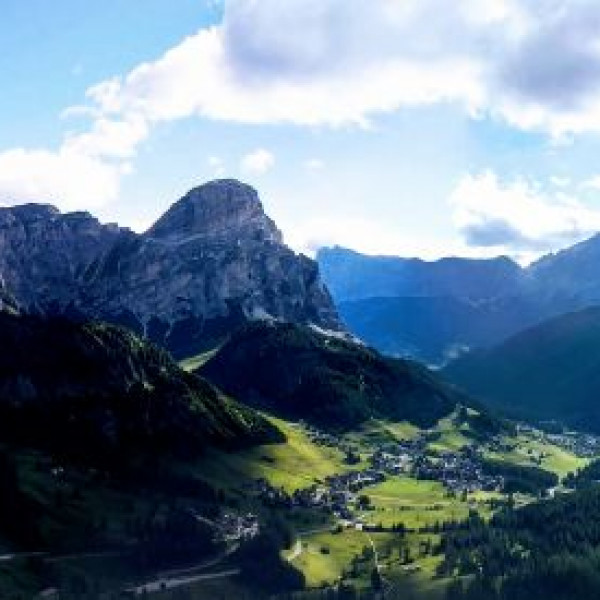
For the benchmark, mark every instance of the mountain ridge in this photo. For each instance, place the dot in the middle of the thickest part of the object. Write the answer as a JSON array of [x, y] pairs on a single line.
[[550, 371], [213, 261], [299, 372], [480, 302]]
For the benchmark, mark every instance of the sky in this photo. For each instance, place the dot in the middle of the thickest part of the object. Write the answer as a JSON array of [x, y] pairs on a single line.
[[411, 127]]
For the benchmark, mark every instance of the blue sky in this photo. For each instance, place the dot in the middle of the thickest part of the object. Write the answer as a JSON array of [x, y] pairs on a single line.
[[390, 126]]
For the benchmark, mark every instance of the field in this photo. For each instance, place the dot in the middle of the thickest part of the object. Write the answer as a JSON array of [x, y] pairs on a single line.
[[447, 436], [328, 557], [297, 463], [528, 451], [413, 503]]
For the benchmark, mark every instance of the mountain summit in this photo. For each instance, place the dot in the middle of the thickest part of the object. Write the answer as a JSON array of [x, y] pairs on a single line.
[[224, 209], [212, 262]]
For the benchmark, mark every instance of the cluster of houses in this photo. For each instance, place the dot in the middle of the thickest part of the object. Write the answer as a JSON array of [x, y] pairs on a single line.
[[584, 445], [459, 472], [336, 494], [398, 458], [231, 527], [499, 445]]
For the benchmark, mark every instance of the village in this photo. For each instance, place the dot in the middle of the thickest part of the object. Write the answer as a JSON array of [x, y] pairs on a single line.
[[583, 445], [460, 472], [232, 527]]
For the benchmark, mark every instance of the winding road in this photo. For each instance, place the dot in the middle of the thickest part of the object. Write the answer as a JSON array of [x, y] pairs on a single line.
[[175, 582]]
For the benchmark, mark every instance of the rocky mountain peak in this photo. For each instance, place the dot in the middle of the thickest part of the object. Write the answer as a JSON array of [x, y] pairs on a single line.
[[26, 213], [221, 209], [211, 263]]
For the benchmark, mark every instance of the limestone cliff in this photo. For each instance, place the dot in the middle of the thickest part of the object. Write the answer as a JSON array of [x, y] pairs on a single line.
[[213, 261]]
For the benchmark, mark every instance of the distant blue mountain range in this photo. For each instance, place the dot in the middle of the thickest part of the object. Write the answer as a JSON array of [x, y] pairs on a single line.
[[436, 310]]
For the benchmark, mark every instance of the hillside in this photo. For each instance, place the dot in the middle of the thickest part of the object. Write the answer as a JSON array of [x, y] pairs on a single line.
[[431, 329], [572, 272], [551, 371], [99, 391], [301, 373], [558, 542]]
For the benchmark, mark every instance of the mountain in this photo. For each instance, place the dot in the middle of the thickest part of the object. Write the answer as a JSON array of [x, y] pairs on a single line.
[[43, 254], [427, 310], [96, 390], [212, 262], [572, 273], [353, 276], [433, 329], [435, 310], [300, 372], [550, 371]]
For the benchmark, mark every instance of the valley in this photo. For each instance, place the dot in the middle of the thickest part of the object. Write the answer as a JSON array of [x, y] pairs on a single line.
[[254, 447], [343, 504], [402, 514]]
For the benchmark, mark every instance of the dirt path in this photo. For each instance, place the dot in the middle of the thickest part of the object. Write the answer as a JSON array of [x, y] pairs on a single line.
[[296, 551]]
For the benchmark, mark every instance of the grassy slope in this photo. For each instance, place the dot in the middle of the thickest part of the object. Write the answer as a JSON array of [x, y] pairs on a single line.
[[527, 451], [195, 362], [294, 464]]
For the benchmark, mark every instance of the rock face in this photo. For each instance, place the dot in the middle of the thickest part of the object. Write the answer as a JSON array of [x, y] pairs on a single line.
[[43, 254], [212, 262]]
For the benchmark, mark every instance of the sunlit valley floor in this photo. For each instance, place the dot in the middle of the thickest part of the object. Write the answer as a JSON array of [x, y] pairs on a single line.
[[341, 530]]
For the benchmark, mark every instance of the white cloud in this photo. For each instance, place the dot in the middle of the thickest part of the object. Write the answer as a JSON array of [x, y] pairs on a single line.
[[518, 217], [109, 138], [231, 73], [368, 237], [535, 65], [330, 62], [560, 182], [593, 183], [258, 162], [66, 179]]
